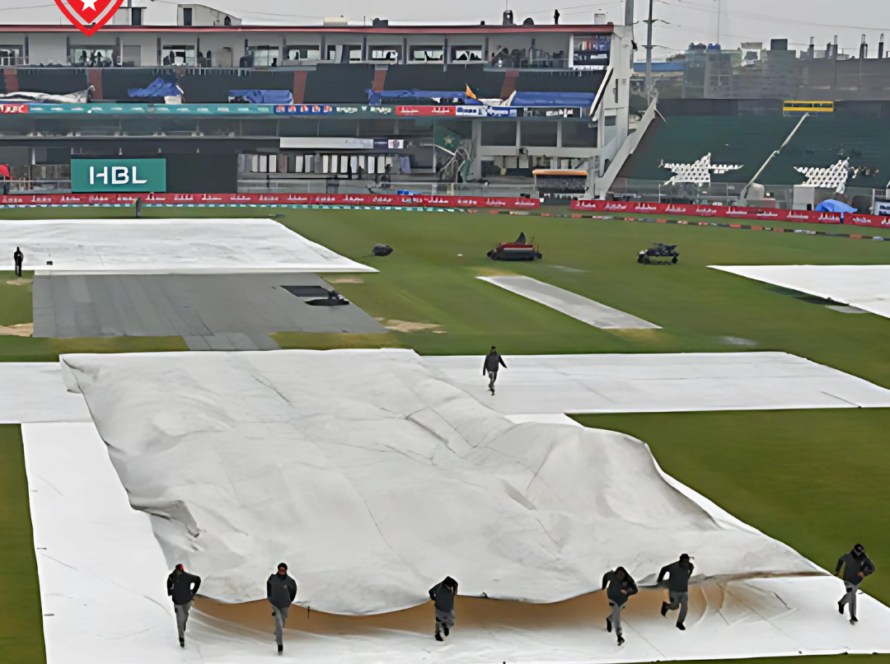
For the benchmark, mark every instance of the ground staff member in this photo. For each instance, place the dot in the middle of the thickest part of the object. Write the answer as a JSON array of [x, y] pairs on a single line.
[[182, 588], [678, 587], [493, 361], [281, 591], [856, 567], [620, 587]]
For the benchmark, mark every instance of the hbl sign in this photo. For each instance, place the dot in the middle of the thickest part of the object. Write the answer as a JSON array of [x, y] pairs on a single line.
[[118, 175]]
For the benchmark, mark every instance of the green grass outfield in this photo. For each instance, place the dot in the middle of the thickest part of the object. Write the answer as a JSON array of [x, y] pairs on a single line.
[[817, 480]]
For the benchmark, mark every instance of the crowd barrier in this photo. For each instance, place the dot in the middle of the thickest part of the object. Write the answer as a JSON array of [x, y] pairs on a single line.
[[732, 212], [271, 200]]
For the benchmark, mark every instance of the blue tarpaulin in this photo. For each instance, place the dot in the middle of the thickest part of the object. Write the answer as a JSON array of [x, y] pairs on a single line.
[[159, 87], [832, 205], [263, 96], [376, 98], [553, 99]]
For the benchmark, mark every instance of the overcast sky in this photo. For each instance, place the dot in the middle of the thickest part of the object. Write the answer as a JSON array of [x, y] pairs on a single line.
[[682, 21]]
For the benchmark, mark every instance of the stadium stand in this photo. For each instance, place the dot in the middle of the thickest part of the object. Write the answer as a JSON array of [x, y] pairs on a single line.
[[824, 141], [744, 141]]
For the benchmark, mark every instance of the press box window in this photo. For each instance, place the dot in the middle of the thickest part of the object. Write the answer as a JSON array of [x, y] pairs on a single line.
[[466, 54], [427, 54], [264, 56], [386, 53], [344, 53], [303, 53], [179, 55]]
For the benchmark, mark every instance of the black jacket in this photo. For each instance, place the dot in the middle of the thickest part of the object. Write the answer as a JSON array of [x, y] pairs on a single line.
[[854, 564], [281, 591], [492, 360], [616, 585], [443, 595], [680, 574], [180, 586], [18, 257]]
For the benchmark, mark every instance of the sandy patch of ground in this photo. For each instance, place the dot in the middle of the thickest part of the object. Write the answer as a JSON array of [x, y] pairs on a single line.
[[20, 282], [19, 330], [406, 326], [494, 272], [346, 280]]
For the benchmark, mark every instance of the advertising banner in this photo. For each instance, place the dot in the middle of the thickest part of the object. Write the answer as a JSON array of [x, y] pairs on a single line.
[[425, 111], [728, 212], [118, 175], [198, 200]]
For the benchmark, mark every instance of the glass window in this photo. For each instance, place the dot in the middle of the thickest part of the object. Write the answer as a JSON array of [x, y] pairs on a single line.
[[179, 55], [386, 53], [344, 53], [11, 55], [466, 54], [136, 15], [91, 56], [187, 16], [307, 52], [264, 56], [427, 54]]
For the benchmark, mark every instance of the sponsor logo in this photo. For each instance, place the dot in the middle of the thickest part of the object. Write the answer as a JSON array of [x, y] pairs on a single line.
[[91, 15], [9, 109]]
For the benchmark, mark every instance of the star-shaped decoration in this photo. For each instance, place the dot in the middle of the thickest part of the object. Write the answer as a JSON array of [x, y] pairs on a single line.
[[89, 4]]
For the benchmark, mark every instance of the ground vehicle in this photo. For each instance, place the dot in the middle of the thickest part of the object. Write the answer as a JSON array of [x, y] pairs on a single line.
[[516, 251], [659, 253]]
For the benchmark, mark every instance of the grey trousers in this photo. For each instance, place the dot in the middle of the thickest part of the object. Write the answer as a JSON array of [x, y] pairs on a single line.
[[850, 597], [18, 269], [616, 617], [280, 620], [492, 377], [679, 601], [444, 619], [182, 617]]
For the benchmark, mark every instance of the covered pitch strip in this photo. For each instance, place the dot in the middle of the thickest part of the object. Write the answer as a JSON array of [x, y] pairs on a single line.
[[166, 246], [571, 304], [866, 287]]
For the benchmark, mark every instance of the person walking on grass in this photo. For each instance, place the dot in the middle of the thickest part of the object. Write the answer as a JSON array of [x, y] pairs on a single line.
[[678, 587], [443, 595], [620, 587], [19, 259], [493, 361], [281, 591], [856, 566], [182, 588]]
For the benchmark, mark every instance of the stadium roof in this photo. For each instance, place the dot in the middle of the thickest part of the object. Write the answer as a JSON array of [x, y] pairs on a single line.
[[395, 29]]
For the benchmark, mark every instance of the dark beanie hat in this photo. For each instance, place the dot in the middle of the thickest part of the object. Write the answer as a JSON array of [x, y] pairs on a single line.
[[284, 565]]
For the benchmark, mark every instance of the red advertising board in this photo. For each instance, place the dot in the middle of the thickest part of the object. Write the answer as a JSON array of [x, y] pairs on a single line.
[[425, 111], [8, 109], [390, 200], [727, 212]]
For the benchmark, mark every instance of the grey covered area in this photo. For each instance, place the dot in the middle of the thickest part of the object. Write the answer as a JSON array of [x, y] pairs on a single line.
[[211, 312]]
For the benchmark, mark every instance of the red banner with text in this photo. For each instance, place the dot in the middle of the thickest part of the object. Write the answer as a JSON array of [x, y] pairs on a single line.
[[389, 200], [732, 212]]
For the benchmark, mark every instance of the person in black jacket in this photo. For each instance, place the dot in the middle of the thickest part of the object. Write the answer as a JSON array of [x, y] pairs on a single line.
[[281, 591], [620, 587], [443, 595], [493, 361], [19, 258], [182, 588], [678, 587], [856, 567]]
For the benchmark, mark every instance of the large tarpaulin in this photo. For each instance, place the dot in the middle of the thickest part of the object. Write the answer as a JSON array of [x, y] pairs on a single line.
[[375, 97], [379, 477], [262, 96]]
